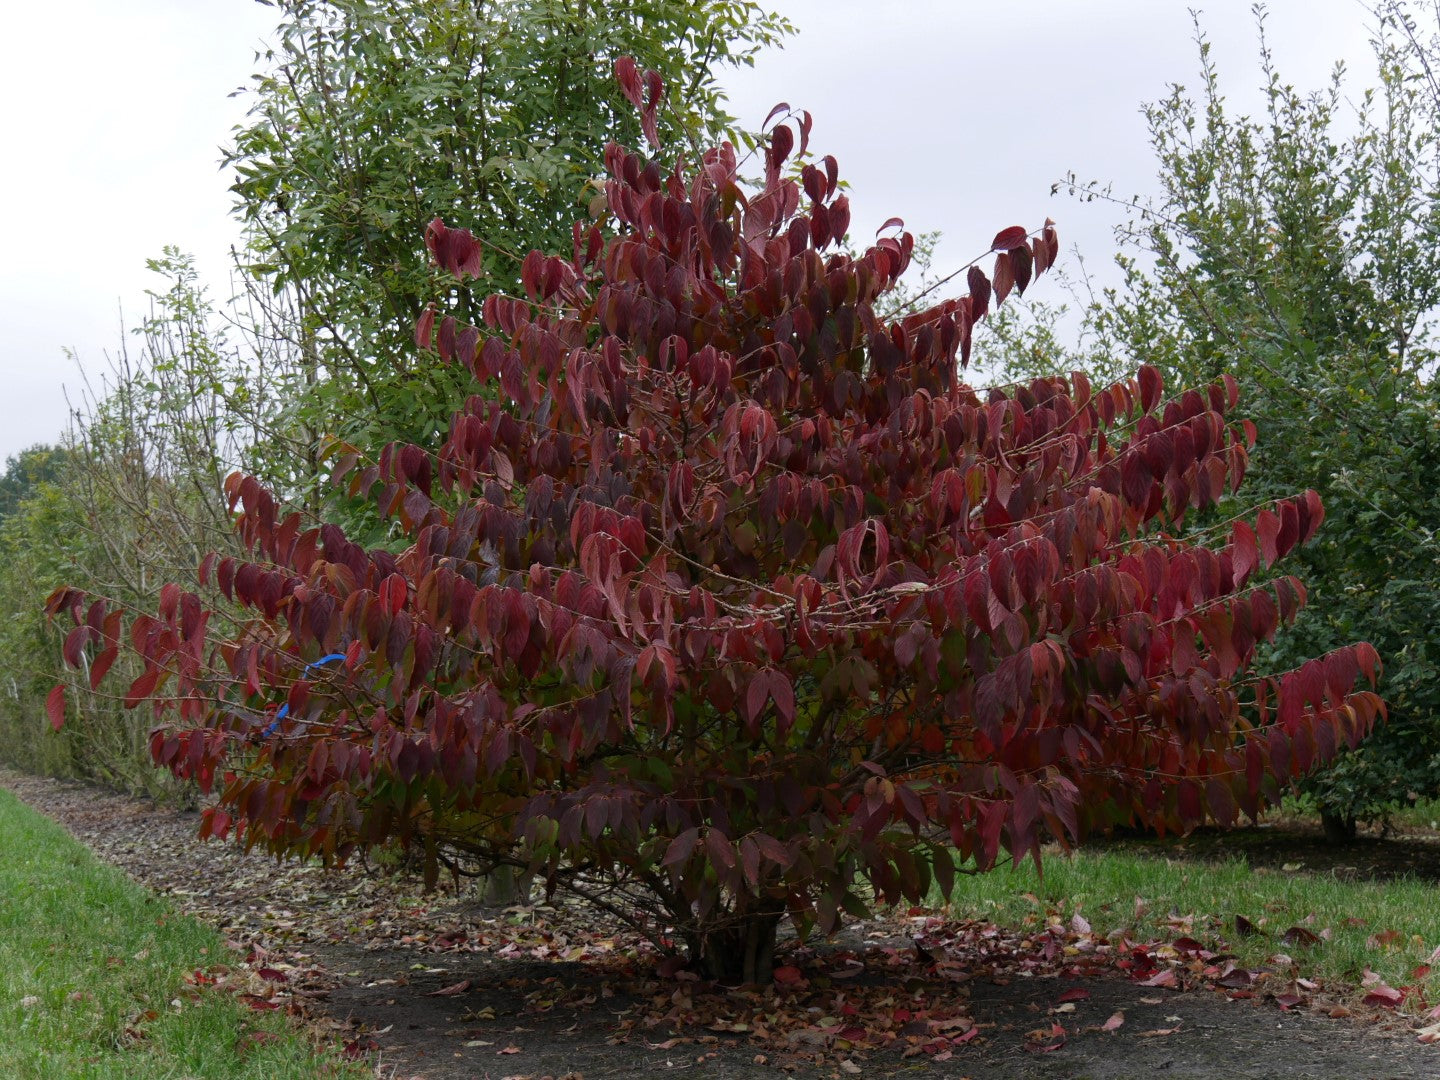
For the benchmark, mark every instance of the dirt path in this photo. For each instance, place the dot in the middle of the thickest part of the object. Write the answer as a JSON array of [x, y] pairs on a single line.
[[555, 992]]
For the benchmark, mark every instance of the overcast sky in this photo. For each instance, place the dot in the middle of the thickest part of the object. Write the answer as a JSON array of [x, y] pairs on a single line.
[[951, 114]]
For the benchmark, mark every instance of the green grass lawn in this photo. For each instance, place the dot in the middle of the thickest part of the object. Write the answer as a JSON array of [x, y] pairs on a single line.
[[1390, 928], [92, 977]]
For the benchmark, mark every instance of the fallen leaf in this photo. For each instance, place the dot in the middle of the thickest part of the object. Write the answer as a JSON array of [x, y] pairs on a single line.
[[1074, 994], [1155, 1033], [509, 1050], [1429, 1034], [1386, 996], [1298, 935], [1165, 979], [1244, 927], [788, 975], [850, 1067], [452, 990], [1114, 1022]]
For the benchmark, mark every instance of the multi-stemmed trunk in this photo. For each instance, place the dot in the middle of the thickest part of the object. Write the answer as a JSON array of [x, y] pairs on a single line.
[[742, 950]]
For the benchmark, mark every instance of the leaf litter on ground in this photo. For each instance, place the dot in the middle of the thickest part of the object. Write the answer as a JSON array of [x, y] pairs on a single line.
[[900, 982]]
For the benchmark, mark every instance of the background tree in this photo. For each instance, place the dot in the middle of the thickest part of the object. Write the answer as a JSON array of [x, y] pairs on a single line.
[[373, 118], [734, 603], [26, 471], [1297, 250]]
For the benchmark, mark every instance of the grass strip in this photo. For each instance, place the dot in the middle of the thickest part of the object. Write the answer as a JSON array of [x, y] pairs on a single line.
[[1389, 928], [92, 977]]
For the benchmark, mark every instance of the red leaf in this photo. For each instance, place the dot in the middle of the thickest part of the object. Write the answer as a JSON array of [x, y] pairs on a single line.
[[1006, 239], [1164, 978], [1113, 1024], [1385, 996], [1151, 387], [102, 665], [1269, 526], [1003, 279], [779, 110], [55, 707], [451, 990], [1244, 556], [789, 975], [680, 847], [142, 687]]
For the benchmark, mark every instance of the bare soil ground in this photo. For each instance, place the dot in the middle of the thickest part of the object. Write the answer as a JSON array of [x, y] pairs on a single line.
[[443, 988]]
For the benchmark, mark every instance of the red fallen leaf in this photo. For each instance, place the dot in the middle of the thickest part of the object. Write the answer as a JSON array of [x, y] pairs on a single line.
[[258, 1002], [356, 1049], [1162, 978], [1235, 979], [853, 1034], [1079, 923], [1054, 1031], [509, 1050], [1074, 994], [255, 1038], [452, 990], [960, 1040], [1298, 935], [1244, 927], [1383, 939], [1420, 972], [789, 975], [1114, 1022], [271, 975], [1289, 1001], [1386, 996], [1187, 946]]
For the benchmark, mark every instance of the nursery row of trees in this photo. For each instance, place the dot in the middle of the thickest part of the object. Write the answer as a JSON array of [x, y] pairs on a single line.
[[1298, 250], [667, 554]]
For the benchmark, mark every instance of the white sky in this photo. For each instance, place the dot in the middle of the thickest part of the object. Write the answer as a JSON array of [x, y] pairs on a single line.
[[952, 114]]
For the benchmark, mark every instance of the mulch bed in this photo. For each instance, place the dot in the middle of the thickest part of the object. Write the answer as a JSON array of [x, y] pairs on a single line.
[[443, 988]]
